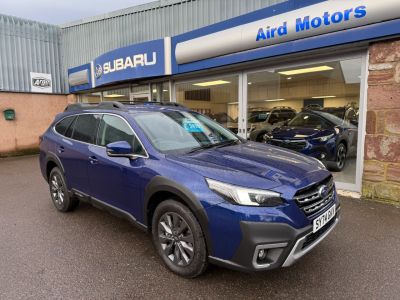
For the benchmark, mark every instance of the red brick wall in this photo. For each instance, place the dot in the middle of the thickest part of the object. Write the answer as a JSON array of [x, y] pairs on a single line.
[[381, 180], [34, 113]]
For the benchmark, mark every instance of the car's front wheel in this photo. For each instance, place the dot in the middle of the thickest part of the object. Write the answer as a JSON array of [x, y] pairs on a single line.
[[179, 239], [341, 155]]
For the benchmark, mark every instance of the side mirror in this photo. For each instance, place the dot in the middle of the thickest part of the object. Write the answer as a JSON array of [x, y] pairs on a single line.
[[120, 149]]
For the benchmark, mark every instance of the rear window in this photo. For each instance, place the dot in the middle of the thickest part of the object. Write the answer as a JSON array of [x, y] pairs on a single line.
[[62, 126], [85, 128]]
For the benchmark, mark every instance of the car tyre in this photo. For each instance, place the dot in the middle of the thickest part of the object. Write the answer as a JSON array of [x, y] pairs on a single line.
[[340, 158], [59, 192], [179, 239]]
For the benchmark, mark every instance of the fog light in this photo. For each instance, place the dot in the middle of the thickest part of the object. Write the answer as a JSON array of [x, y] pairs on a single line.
[[262, 254], [323, 155]]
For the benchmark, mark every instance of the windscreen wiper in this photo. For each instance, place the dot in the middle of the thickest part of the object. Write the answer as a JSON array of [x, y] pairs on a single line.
[[217, 145], [226, 143], [202, 147]]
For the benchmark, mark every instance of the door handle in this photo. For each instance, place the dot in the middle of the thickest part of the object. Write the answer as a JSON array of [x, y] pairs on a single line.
[[61, 149], [93, 160]]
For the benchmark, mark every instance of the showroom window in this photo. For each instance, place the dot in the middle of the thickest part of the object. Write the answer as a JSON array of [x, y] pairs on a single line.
[[216, 97], [160, 92], [90, 98], [312, 109], [136, 93], [121, 94]]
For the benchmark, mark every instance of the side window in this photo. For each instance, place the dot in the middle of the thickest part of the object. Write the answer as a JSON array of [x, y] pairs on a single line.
[[70, 130], [62, 126], [114, 129], [274, 118], [85, 128], [291, 114]]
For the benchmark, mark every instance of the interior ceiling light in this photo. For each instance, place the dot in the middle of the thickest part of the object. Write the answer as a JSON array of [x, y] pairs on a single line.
[[113, 96], [274, 100], [306, 70], [250, 83], [154, 91], [212, 83], [323, 97], [289, 78]]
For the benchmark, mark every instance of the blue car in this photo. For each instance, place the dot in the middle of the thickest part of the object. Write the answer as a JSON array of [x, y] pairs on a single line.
[[205, 195], [320, 135]]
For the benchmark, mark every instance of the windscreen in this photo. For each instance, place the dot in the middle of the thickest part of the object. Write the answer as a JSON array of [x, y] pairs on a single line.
[[181, 131]]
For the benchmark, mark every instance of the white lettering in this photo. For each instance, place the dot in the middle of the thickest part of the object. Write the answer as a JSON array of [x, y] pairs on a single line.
[[150, 63], [138, 60]]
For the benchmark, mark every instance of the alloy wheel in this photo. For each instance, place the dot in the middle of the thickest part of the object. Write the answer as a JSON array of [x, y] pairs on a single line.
[[57, 190], [176, 239], [341, 157]]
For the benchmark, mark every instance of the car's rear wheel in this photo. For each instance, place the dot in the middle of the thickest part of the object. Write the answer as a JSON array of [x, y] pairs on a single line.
[[341, 155], [59, 192], [179, 239]]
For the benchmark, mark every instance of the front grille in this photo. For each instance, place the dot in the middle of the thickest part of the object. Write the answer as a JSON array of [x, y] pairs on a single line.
[[296, 145], [315, 236], [316, 197]]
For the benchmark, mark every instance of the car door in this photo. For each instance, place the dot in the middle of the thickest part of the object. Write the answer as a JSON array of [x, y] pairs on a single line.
[[118, 181], [73, 151]]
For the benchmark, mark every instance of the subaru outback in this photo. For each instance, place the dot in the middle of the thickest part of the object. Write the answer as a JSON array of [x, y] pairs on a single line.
[[204, 194]]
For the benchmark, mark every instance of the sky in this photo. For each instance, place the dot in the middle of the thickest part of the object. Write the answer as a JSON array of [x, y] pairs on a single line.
[[62, 11]]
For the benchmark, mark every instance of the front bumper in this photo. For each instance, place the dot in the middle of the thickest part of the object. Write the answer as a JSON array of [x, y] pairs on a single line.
[[283, 245]]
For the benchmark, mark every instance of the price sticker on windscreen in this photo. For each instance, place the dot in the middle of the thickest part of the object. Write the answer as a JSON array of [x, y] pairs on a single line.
[[192, 126]]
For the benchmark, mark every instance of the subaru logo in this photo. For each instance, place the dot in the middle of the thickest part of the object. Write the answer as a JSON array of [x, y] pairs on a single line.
[[98, 71], [323, 191]]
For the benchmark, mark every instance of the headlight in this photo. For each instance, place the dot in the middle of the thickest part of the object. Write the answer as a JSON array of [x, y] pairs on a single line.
[[324, 138], [245, 196], [321, 164]]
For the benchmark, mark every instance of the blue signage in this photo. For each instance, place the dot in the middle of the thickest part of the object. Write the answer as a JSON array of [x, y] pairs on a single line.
[[79, 78], [306, 23], [137, 61]]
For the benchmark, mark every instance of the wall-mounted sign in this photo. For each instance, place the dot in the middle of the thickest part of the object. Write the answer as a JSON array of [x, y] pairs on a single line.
[[325, 17], [41, 83], [137, 61]]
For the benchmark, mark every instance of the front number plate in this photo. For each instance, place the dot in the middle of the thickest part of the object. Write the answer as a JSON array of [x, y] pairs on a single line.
[[321, 221]]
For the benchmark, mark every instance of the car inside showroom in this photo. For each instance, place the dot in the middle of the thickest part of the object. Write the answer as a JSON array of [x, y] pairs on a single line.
[[309, 108]]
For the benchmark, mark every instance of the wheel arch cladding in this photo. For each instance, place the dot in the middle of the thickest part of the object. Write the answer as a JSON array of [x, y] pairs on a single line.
[[160, 189], [52, 161]]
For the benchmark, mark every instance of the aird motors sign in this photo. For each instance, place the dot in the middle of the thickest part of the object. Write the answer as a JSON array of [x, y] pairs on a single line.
[[41, 83]]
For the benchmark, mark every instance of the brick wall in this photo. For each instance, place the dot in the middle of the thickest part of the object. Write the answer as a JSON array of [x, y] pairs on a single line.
[[381, 178], [34, 113]]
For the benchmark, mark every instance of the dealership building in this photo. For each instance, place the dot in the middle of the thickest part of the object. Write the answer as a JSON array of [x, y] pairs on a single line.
[[235, 61]]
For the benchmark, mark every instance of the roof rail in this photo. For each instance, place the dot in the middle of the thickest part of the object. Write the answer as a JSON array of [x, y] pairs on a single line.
[[115, 105], [151, 103], [102, 105], [282, 107]]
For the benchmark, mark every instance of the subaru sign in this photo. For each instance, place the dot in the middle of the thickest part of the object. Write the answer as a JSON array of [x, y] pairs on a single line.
[[133, 62], [326, 17]]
